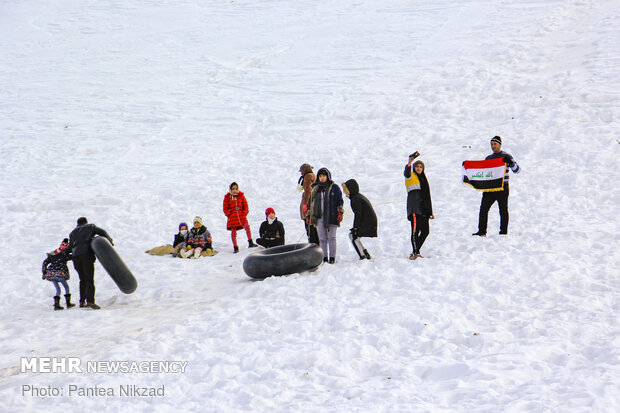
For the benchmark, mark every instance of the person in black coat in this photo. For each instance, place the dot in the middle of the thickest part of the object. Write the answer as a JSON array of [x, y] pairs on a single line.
[[84, 259], [271, 230], [419, 205], [365, 219]]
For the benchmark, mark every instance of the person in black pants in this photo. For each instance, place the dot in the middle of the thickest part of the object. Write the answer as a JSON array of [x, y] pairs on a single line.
[[271, 230], [489, 198], [419, 204], [84, 259], [364, 220]]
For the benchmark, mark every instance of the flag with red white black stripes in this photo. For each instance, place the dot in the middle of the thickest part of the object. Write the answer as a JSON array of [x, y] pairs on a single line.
[[486, 176]]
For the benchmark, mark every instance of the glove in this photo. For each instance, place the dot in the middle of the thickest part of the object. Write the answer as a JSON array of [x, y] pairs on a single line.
[[308, 219], [508, 161], [189, 247], [305, 208], [339, 217], [354, 232]]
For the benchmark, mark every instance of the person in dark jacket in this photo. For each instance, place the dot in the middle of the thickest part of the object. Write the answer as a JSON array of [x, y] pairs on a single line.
[[365, 219], [489, 198], [325, 212], [84, 259], [305, 182], [419, 205], [55, 270], [180, 240], [271, 231]]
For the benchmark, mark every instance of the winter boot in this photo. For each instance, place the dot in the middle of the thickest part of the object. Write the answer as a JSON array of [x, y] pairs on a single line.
[[235, 250], [325, 259], [93, 305], [251, 244], [332, 260], [68, 301], [184, 253], [57, 303], [367, 254], [196, 254], [82, 303], [479, 234]]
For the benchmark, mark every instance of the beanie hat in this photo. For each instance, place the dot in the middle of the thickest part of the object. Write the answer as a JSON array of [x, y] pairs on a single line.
[[182, 224], [269, 211], [63, 246], [198, 219], [496, 139]]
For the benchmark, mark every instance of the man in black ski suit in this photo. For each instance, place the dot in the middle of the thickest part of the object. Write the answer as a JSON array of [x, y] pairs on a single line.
[[489, 198], [84, 259]]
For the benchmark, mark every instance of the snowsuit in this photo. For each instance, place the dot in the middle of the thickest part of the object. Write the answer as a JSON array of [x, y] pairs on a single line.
[[236, 210], [324, 211], [84, 259], [419, 206], [271, 235], [489, 198], [365, 219], [306, 180]]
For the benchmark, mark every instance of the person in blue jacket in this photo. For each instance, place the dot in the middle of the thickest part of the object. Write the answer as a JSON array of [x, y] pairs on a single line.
[[325, 212]]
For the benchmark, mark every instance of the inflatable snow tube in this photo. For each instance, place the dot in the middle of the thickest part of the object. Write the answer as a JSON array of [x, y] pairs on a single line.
[[114, 265], [282, 260]]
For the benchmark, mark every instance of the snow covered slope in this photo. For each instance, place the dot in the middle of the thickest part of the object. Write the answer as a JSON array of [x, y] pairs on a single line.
[[138, 115]]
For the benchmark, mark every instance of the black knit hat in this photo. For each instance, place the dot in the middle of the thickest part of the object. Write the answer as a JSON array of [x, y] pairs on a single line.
[[496, 139]]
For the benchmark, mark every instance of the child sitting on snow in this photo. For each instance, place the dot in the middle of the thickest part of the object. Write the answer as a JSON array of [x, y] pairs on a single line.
[[198, 239], [180, 239], [55, 270], [271, 230]]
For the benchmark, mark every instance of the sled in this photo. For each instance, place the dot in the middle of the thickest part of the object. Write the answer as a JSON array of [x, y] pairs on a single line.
[[168, 249], [114, 265]]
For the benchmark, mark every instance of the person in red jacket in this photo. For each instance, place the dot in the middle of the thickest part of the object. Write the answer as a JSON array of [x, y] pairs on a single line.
[[236, 209]]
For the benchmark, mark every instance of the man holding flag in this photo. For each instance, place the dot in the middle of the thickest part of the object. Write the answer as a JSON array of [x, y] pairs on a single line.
[[479, 174]]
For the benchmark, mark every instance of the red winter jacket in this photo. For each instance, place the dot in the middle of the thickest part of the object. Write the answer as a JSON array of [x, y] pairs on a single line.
[[236, 210]]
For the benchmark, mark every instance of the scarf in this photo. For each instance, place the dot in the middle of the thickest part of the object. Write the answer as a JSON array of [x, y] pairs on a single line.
[[323, 189]]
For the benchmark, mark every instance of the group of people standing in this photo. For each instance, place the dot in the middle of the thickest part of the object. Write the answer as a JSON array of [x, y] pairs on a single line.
[[321, 210]]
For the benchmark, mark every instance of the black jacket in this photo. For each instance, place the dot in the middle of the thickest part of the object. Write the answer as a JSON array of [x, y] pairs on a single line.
[[419, 200], [273, 231], [179, 238], [82, 235], [365, 219]]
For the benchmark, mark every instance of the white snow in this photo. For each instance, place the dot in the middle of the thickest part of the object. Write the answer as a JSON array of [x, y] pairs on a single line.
[[138, 114]]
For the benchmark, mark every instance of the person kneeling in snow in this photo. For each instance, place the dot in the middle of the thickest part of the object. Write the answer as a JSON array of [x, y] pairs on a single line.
[[271, 230], [55, 270], [198, 239], [365, 219], [180, 240]]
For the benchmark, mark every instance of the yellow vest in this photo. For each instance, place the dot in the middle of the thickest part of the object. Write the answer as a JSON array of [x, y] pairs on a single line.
[[413, 182]]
